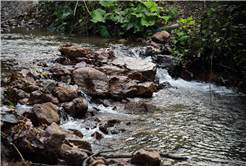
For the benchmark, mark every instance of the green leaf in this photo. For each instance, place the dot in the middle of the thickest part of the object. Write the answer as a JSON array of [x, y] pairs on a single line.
[[104, 32], [55, 13], [189, 18], [240, 44], [217, 40], [67, 12], [97, 15], [166, 18], [148, 21], [107, 3]]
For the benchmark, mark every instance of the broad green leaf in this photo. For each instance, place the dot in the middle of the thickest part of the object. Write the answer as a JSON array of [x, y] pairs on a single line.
[[107, 3], [166, 18], [97, 15], [104, 32], [148, 21], [55, 13], [189, 18], [67, 12], [217, 40]]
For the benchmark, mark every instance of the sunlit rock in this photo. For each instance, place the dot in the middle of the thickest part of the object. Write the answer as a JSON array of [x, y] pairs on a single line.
[[161, 37], [146, 158], [77, 107], [66, 93], [45, 113], [138, 69], [91, 81]]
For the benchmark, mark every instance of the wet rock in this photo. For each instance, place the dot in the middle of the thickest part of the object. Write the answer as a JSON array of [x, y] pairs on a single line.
[[72, 51], [122, 87], [146, 89], [175, 71], [72, 155], [17, 94], [80, 65], [26, 73], [113, 122], [57, 70], [161, 37], [48, 84], [77, 107], [142, 70], [146, 158], [242, 86], [74, 132], [66, 93], [97, 135], [45, 113], [38, 97], [82, 144], [167, 163], [111, 70], [91, 81], [103, 128], [54, 135], [139, 105], [67, 79], [165, 61]]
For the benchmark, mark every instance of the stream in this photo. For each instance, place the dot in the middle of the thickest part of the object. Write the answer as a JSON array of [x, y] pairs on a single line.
[[206, 123]]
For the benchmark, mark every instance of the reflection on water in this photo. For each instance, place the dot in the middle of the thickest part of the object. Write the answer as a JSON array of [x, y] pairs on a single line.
[[187, 122]]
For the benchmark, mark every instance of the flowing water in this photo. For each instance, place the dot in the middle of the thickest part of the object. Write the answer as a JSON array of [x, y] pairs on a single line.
[[201, 121]]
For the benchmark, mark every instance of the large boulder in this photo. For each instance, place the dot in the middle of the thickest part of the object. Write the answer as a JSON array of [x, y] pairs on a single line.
[[39, 97], [137, 68], [57, 70], [165, 61], [112, 70], [146, 89], [77, 107], [54, 135], [17, 94], [91, 81], [161, 37], [66, 93], [146, 158], [81, 143], [45, 113], [72, 155], [122, 87], [72, 51]]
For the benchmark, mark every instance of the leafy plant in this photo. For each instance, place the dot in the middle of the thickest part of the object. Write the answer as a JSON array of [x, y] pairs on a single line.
[[181, 38], [135, 16]]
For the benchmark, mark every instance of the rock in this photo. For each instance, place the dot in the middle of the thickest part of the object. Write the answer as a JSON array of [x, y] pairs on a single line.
[[80, 65], [57, 70], [77, 107], [82, 144], [72, 51], [48, 84], [26, 73], [142, 70], [161, 37], [38, 97], [17, 94], [91, 81], [72, 155], [112, 122], [111, 70], [122, 87], [97, 135], [165, 61], [167, 163], [45, 113], [139, 105], [146, 158], [66, 93], [146, 89], [103, 128], [75, 132], [66, 79]]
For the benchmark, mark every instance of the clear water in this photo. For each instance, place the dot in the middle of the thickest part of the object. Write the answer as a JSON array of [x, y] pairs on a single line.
[[203, 122]]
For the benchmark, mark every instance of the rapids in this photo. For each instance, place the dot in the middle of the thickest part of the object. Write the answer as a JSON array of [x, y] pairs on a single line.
[[204, 122]]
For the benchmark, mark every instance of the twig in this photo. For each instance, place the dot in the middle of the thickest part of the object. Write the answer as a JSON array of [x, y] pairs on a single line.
[[87, 8], [75, 7], [18, 151]]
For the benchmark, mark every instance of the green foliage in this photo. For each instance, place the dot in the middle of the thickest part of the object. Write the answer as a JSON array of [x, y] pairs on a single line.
[[129, 16], [180, 37], [224, 28]]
